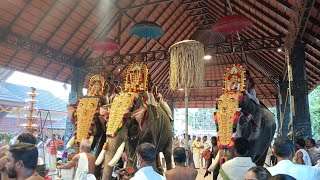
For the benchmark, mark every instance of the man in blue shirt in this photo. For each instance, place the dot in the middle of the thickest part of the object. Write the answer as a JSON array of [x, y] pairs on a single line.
[[146, 155]]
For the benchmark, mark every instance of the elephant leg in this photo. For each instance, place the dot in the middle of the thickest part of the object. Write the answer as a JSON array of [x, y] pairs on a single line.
[[168, 157], [158, 164]]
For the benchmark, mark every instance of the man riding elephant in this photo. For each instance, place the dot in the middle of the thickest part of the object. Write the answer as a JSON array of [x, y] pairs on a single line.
[[85, 114], [135, 117], [238, 115]]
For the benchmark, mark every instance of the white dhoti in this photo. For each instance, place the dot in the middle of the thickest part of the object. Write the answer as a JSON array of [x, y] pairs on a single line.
[[51, 161], [82, 172], [196, 159]]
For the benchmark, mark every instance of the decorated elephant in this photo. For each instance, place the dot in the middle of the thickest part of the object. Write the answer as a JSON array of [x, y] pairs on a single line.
[[85, 114], [238, 115], [135, 117]]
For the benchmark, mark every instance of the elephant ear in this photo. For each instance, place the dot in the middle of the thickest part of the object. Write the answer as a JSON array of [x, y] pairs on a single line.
[[140, 115], [164, 105], [122, 104]]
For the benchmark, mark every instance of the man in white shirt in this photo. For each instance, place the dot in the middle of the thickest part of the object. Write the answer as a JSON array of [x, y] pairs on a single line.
[[237, 167], [283, 150], [146, 155]]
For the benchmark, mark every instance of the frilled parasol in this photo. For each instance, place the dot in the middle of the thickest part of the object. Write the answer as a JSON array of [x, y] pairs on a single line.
[[106, 45], [230, 24], [186, 68], [146, 29]]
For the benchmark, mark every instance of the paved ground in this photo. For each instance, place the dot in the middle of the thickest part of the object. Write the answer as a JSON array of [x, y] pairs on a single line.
[[67, 175]]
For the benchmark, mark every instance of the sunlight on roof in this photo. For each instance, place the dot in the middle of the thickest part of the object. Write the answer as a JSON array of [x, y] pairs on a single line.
[[55, 87]]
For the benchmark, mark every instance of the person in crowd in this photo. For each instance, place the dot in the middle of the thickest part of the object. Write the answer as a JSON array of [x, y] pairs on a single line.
[[192, 140], [214, 152], [84, 162], [201, 153], [312, 150], [146, 155], [283, 150], [258, 173], [250, 88], [196, 152], [206, 150], [282, 177], [22, 162], [22, 138], [237, 167], [301, 156], [52, 148], [181, 171], [176, 142]]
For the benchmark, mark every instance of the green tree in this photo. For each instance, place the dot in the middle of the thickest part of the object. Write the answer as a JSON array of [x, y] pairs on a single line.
[[314, 105]]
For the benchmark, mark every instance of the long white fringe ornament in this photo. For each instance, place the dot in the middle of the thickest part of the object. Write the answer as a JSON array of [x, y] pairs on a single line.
[[186, 64]]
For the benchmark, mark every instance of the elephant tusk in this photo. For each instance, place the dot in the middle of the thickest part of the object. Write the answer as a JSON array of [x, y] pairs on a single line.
[[215, 162], [70, 143], [100, 157], [117, 156]]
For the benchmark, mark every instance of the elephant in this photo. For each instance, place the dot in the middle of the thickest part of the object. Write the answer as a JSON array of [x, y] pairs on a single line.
[[257, 124], [85, 114], [145, 121]]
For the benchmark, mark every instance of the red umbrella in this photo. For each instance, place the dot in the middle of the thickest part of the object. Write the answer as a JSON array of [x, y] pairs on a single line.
[[106, 45], [230, 24]]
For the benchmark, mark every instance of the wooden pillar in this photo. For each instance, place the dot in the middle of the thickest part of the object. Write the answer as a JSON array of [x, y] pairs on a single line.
[[299, 91], [77, 79], [278, 115]]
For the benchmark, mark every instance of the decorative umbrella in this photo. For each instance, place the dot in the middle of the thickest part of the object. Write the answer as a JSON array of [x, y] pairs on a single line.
[[186, 68], [146, 29], [230, 24], [106, 45]]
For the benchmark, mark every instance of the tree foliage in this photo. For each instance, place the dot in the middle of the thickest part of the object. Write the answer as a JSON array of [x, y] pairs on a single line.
[[314, 105]]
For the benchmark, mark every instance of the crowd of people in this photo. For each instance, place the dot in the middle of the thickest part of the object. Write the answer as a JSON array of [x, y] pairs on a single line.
[[302, 161]]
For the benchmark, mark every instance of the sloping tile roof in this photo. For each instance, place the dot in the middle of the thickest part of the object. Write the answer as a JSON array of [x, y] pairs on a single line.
[[8, 124], [60, 124], [6, 95], [46, 100]]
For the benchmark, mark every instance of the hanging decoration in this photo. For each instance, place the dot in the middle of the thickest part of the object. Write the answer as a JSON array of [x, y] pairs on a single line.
[[228, 106], [186, 64], [146, 29], [230, 24], [186, 69], [105, 45]]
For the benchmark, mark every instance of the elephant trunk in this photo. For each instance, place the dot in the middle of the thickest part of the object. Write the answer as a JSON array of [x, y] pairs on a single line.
[[113, 154]]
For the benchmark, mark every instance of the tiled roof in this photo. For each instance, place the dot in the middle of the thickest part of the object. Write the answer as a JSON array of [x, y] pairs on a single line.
[[60, 124], [6, 95], [46, 100], [8, 124]]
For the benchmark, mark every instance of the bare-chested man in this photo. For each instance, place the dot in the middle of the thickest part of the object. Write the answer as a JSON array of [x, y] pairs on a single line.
[[84, 162], [181, 172], [22, 138], [22, 162]]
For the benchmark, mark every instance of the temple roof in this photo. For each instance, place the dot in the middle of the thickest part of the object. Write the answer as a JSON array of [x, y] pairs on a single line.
[[48, 38]]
